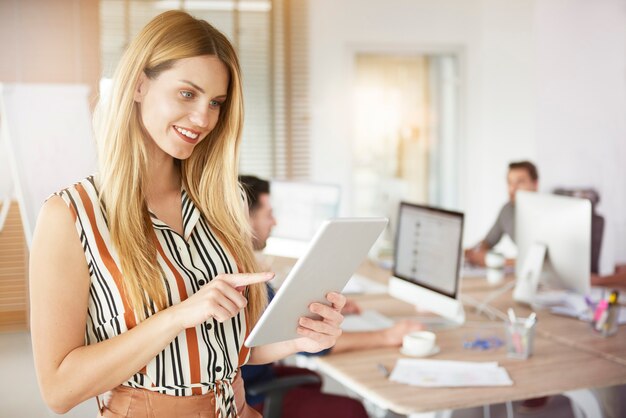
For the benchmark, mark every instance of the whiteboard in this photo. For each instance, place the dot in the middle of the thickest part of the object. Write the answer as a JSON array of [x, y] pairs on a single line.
[[47, 141]]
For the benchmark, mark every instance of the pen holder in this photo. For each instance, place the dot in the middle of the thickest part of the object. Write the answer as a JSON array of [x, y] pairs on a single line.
[[607, 322], [520, 338]]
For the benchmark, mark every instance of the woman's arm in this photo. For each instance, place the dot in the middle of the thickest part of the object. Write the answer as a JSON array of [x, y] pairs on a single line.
[[70, 372], [317, 335]]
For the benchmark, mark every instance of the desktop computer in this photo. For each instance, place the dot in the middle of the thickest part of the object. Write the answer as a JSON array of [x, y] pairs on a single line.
[[553, 235], [299, 209], [427, 260]]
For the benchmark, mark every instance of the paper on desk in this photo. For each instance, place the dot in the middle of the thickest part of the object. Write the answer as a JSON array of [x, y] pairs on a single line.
[[368, 320], [471, 271], [588, 315], [446, 373], [560, 299], [571, 304]]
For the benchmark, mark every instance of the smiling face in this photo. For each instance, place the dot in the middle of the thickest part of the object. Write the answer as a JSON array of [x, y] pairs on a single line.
[[181, 106]]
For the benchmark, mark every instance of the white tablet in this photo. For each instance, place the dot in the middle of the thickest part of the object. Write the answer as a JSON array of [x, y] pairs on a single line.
[[335, 252]]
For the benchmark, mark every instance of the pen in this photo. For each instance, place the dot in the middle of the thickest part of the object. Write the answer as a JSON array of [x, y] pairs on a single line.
[[511, 315], [602, 314], [530, 321], [602, 305], [383, 369], [611, 313]]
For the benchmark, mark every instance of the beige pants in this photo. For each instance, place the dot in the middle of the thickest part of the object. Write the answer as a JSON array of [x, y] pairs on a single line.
[[141, 403]]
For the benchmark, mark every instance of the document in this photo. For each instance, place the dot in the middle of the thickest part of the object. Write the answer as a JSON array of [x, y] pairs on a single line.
[[446, 373], [368, 320]]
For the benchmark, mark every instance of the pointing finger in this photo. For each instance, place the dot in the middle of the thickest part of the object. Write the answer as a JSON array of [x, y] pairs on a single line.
[[240, 280]]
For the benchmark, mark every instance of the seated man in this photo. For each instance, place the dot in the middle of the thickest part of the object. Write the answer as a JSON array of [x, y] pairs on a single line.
[[522, 175], [309, 401]]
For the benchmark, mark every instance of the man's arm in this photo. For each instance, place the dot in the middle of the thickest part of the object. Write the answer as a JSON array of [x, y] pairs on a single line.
[[390, 337], [614, 280], [476, 255]]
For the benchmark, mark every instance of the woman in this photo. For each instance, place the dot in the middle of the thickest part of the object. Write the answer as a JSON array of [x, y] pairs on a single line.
[[142, 278]]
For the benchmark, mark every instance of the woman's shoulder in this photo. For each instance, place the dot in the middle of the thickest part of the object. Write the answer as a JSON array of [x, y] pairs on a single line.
[[78, 197], [87, 184]]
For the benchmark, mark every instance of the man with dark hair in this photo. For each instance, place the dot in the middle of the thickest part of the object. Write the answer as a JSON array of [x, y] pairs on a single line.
[[260, 209], [522, 175]]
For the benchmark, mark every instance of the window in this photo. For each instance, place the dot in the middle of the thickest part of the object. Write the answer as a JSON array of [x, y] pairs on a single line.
[[406, 132]]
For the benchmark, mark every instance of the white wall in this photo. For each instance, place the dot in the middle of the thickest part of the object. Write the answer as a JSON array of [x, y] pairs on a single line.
[[581, 106], [495, 42], [542, 80]]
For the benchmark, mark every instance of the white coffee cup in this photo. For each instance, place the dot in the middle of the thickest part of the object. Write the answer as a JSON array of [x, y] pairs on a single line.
[[494, 260], [495, 276], [419, 343]]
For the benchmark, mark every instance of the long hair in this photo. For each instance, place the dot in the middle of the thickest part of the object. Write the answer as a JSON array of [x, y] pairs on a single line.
[[209, 174]]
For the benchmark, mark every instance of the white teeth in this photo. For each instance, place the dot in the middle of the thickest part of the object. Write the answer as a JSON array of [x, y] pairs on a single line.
[[186, 133]]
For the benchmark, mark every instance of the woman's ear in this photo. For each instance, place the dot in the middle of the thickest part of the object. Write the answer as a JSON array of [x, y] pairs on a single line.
[[140, 88]]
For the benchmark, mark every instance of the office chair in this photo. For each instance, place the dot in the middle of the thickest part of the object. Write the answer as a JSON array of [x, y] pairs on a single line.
[[275, 390]]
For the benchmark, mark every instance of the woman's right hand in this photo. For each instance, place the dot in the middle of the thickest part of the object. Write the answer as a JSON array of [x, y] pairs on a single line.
[[221, 299]]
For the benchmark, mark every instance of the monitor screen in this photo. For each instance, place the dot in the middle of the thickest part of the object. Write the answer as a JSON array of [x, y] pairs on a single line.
[[428, 247], [300, 207]]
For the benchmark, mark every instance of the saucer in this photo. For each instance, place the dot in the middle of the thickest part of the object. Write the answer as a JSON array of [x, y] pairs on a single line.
[[432, 352]]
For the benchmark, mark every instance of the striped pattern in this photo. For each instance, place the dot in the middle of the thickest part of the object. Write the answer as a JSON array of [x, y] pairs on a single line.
[[199, 359]]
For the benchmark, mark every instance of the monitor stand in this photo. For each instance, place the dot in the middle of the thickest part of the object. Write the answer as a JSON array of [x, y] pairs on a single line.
[[528, 278], [448, 307]]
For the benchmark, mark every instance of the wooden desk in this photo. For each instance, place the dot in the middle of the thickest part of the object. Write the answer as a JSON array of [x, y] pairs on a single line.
[[548, 372], [560, 363]]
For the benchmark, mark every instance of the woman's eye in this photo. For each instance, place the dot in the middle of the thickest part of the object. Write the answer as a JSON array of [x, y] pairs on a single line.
[[215, 103], [186, 94]]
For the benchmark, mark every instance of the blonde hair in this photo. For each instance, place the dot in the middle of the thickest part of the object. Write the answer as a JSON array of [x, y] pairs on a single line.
[[209, 174]]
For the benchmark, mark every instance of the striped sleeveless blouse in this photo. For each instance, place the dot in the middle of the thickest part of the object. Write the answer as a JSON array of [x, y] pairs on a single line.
[[201, 359]]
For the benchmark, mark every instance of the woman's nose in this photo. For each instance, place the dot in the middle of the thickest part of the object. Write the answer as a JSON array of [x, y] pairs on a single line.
[[200, 117]]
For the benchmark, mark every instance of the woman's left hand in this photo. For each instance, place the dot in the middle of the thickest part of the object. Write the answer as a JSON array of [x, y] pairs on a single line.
[[320, 334]]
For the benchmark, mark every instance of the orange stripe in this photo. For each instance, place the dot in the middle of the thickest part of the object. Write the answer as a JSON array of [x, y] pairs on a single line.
[[190, 333], [107, 259]]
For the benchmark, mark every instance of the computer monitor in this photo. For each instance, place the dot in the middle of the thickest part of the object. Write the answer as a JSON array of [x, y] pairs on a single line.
[[553, 235], [299, 209], [427, 260]]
